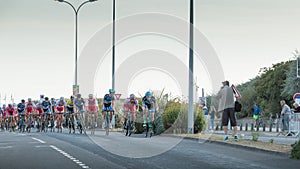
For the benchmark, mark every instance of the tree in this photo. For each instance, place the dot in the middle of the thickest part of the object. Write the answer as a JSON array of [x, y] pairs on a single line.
[[292, 83]]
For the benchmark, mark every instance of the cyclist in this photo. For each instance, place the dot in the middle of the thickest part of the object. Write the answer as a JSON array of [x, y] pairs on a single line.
[[108, 105], [149, 105], [131, 105], [256, 114], [39, 112], [70, 114], [79, 110], [91, 105], [30, 108], [10, 113], [47, 111], [21, 113], [1, 119], [53, 104], [60, 109]]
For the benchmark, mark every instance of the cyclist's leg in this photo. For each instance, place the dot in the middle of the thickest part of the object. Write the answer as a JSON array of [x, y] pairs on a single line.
[[125, 116], [145, 112]]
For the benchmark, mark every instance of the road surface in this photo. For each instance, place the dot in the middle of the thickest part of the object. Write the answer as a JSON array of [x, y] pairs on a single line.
[[75, 151]]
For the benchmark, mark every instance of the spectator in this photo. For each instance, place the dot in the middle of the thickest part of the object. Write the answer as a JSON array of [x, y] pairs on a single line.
[[205, 110], [212, 114], [226, 106], [256, 113], [285, 114], [297, 108]]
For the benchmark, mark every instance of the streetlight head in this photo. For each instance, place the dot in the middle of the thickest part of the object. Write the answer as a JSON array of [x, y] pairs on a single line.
[[59, 0], [93, 0]]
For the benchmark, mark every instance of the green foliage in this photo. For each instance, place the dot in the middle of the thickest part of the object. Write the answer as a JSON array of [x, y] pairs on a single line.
[[272, 85], [255, 136], [295, 154], [292, 83], [249, 96], [175, 117], [269, 86], [199, 121]]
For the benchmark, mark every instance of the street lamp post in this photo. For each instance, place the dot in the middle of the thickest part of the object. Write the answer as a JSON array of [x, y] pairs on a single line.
[[191, 71], [113, 47], [76, 30]]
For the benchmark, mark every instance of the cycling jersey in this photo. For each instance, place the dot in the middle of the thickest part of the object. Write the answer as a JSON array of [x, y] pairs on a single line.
[[46, 106], [131, 105], [70, 106], [91, 105], [39, 109], [60, 106], [148, 103], [107, 103], [79, 102], [29, 107], [10, 110], [53, 104], [108, 100], [21, 108]]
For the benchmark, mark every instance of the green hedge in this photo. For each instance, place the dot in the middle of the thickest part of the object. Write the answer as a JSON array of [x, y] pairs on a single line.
[[175, 118], [295, 154]]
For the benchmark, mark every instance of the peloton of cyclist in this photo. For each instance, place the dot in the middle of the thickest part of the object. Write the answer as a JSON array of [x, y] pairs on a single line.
[[149, 104], [108, 105], [130, 105], [91, 105]]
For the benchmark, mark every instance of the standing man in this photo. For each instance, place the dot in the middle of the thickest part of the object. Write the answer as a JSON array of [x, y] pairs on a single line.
[[226, 106], [285, 114]]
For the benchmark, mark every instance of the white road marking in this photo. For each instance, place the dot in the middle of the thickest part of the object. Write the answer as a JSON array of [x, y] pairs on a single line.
[[81, 164], [41, 141], [5, 147]]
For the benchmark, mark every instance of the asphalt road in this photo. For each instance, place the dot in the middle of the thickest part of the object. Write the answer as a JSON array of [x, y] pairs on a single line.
[[75, 151]]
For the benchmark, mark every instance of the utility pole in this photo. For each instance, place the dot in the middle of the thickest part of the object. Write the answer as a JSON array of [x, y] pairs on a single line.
[[191, 71]]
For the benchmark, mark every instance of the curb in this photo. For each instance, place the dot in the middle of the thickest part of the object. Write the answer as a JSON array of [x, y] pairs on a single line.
[[231, 144]]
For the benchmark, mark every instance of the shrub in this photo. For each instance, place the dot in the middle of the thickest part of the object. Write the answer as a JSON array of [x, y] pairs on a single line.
[[295, 154], [175, 117], [255, 136]]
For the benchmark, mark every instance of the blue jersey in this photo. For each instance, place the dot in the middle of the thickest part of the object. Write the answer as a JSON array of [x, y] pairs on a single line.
[[21, 107], [108, 100], [149, 102], [46, 105]]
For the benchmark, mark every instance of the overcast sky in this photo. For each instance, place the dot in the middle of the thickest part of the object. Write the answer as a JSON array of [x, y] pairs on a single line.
[[37, 38]]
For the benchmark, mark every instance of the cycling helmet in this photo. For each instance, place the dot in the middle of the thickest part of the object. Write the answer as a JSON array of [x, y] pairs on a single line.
[[41, 96], [29, 99], [61, 98], [78, 95], [72, 97], [148, 94], [23, 101], [52, 99], [9, 105], [46, 98], [90, 96], [111, 91], [132, 96]]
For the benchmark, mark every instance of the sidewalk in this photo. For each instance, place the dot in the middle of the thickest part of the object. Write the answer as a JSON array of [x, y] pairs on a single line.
[[277, 137]]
